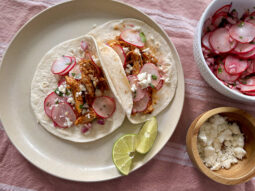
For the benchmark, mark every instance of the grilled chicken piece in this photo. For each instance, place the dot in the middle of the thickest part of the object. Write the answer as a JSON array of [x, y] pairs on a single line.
[[87, 118], [134, 60], [75, 89], [149, 108]]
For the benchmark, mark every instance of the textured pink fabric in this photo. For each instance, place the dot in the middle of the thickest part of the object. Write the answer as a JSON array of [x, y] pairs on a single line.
[[171, 169]]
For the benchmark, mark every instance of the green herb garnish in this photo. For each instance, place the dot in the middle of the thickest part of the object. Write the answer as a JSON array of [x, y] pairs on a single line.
[[58, 92], [251, 42], [142, 36], [81, 106], [219, 70], [241, 37], [251, 17], [151, 85], [241, 24], [73, 74], [154, 77], [57, 102], [67, 92]]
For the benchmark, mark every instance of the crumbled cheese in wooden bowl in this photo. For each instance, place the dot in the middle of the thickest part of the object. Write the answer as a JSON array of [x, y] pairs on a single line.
[[220, 143]]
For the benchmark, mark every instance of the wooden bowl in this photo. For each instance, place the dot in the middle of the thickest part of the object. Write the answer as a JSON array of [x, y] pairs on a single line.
[[238, 173]]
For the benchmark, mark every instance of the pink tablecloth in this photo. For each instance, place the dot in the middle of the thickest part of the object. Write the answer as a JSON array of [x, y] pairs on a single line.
[[171, 169]]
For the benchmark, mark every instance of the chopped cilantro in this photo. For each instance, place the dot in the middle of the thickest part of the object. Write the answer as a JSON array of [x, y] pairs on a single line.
[[241, 37], [73, 74], [241, 24], [234, 84], [251, 17], [151, 85], [67, 92], [58, 92], [143, 38], [154, 77], [251, 42], [81, 106], [57, 102], [219, 70]]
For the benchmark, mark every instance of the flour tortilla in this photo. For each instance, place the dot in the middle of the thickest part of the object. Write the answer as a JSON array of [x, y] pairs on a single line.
[[44, 82], [115, 71]]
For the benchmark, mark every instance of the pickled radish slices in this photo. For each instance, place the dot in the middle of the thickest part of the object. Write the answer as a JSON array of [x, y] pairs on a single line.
[[228, 46]]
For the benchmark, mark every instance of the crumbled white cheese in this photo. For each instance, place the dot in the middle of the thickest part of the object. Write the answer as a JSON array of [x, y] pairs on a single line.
[[137, 51], [144, 80], [220, 143], [125, 49], [151, 38], [129, 68], [146, 50], [70, 100], [133, 88], [68, 122], [82, 88], [62, 88], [88, 116], [78, 94]]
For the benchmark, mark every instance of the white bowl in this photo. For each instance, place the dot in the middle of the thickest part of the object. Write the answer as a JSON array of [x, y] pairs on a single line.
[[209, 77]]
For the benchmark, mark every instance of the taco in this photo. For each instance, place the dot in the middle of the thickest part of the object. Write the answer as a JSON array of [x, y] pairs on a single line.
[[136, 56], [70, 95]]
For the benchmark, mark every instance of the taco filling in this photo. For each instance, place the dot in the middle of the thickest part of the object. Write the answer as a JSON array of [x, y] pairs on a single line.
[[79, 98], [145, 72]]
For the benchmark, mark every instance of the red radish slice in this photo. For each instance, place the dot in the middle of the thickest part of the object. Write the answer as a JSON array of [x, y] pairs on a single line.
[[118, 49], [132, 37], [205, 41], [248, 82], [63, 115], [250, 54], [220, 41], [142, 104], [225, 9], [243, 32], [139, 94], [84, 45], [216, 20], [75, 72], [243, 48], [246, 88], [231, 20], [152, 69], [70, 67], [104, 106], [50, 102], [249, 93], [61, 64], [208, 26], [233, 65], [252, 21], [160, 84], [61, 81], [93, 62], [224, 76]]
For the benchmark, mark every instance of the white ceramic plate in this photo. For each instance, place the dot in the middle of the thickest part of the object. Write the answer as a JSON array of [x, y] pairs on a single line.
[[74, 161]]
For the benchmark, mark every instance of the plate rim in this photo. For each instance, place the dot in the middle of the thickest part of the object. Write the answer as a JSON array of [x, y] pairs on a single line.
[[179, 74]]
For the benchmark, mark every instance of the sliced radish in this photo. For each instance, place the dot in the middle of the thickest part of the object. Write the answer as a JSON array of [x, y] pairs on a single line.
[[152, 69], [61, 64], [61, 81], [224, 76], [93, 62], [247, 88], [50, 102], [160, 84], [252, 21], [248, 82], [249, 93], [250, 54], [139, 93], [141, 105], [132, 37], [104, 106], [220, 41], [208, 26], [70, 67], [75, 72], [63, 115], [84, 45], [243, 32], [205, 41], [224, 9], [118, 49], [243, 48], [233, 65], [216, 20]]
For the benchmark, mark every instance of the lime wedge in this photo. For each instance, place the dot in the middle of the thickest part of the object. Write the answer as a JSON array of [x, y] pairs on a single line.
[[123, 152], [147, 136]]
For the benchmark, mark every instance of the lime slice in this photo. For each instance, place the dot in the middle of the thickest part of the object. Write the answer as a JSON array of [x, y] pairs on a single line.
[[147, 136], [123, 152]]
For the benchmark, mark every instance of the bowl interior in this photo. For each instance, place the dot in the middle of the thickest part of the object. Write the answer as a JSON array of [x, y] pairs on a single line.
[[244, 169], [240, 6]]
